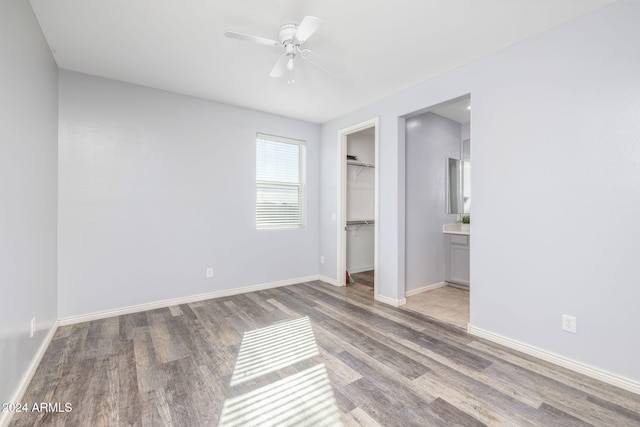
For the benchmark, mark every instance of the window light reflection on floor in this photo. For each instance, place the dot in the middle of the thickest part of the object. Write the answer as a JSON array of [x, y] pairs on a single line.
[[269, 349], [302, 399]]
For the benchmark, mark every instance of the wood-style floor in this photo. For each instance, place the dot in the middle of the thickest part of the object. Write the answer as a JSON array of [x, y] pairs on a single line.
[[364, 278], [386, 366]]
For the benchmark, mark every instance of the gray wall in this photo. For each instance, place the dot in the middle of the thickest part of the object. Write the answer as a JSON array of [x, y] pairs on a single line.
[[430, 141], [155, 187], [556, 187], [466, 131], [28, 177]]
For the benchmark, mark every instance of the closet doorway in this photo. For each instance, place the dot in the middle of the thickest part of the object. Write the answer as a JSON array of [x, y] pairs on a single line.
[[358, 205]]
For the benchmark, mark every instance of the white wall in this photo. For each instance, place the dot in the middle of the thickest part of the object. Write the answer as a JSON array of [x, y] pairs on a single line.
[[430, 141], [360, 202], [28, 177], [556, 187], [391, 204], [155, 187]]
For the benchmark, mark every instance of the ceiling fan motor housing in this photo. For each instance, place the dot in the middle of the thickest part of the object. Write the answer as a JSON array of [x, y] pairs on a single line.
[[287, 32]]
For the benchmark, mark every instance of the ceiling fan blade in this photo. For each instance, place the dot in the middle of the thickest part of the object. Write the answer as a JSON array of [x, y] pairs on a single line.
[[250, 38], [307, 27], [328, 65], [281, 65]]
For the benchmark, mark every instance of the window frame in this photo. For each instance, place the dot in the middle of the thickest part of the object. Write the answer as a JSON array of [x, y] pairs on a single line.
[[300, 185]]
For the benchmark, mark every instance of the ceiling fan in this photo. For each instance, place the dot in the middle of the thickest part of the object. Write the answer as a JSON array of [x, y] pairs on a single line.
[[292, 38]]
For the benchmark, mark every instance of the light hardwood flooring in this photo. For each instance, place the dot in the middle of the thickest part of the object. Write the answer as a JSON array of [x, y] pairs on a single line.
[[385, 366]]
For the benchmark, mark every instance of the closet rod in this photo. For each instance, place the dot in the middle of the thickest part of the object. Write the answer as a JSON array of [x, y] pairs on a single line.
[[361, 222], [362, 164]]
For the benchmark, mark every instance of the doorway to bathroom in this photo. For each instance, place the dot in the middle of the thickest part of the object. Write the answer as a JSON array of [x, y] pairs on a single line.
[[438, 199]]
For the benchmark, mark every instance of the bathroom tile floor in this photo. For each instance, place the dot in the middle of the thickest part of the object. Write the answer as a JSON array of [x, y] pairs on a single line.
[[447, 304]]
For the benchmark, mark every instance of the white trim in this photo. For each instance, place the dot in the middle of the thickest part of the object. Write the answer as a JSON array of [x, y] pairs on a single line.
[[565, 362], [181, 300], [5, 418], [341, 221], [360, 269], [391, 301], [376, 203], [425, 288], [268, 215], [328, 280]]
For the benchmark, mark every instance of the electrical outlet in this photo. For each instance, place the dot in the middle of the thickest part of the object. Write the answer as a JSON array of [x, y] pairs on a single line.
[[209, 272], [321, 259], [569, 323], [33, 327]]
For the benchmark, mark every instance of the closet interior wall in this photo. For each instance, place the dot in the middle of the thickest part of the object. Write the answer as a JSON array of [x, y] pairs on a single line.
[[360, 201]]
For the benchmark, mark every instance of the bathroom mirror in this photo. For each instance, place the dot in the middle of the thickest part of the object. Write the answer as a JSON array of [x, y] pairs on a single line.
[[454, 186], [458, 186]]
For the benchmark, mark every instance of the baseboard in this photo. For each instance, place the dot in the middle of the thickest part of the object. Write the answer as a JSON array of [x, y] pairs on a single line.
[[181, 300], [5, 417], [458, 286], [360, 269], [565, 362], [425, 288], [391, 301], [328, 280]]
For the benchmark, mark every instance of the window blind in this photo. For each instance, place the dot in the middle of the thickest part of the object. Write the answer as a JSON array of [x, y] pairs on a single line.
[[280, 182]]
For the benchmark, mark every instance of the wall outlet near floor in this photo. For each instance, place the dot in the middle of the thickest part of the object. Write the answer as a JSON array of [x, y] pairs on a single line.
[[569, 323], [33, 327], [321, 259], [209, 272]]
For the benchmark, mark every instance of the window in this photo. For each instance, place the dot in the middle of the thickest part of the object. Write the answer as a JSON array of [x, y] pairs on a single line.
[[280, 182]]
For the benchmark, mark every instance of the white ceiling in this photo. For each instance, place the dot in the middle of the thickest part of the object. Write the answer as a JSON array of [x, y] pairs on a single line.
[[386, 46], [456, 110]]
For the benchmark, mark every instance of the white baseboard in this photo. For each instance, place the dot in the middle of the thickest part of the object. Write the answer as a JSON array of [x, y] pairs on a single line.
[[565, 362], [5, 418], [181, 300], [425, 288], [328, 280], [391, 301], [360, 269]]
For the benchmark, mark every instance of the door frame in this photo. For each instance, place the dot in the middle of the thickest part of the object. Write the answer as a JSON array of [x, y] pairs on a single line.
[[341, 220]]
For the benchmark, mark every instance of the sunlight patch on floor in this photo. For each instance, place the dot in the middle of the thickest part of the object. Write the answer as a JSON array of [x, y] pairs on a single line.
[[269, 349], [302, 399]]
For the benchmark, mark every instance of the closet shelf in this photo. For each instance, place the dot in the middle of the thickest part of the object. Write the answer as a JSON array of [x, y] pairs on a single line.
[[361, 222], [361, 164]]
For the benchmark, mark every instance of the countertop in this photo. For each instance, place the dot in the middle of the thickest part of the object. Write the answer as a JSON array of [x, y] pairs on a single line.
[[456, 228]]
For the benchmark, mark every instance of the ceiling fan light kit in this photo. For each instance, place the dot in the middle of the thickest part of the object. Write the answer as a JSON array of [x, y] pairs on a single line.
[[292, 37]]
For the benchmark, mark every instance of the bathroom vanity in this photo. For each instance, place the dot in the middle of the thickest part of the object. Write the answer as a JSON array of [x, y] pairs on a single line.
[[458, 201], [457, 258]]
